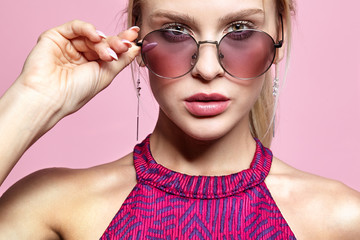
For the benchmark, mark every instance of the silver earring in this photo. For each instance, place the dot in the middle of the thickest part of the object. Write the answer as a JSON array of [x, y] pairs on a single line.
[[275, 93], [276, 82], [138, 88], [276, 86]]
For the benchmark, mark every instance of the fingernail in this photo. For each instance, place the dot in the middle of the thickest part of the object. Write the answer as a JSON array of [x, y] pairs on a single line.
[[112, 54], [101, 34], [127, 43], [135, 28]]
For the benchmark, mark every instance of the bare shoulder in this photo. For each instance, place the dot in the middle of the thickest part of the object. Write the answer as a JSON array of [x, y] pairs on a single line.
[[39, 205], [315, 207]]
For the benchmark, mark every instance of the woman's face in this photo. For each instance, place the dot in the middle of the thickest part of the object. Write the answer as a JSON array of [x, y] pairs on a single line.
[[206, 103]]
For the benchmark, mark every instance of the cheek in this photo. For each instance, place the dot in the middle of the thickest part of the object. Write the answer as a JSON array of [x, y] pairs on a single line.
[[165, 91], [250, 87], [258, 86], [170, 93], [248, 93]]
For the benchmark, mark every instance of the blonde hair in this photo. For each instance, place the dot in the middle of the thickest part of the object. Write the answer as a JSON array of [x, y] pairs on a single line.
[[262, 115], [263, 112]]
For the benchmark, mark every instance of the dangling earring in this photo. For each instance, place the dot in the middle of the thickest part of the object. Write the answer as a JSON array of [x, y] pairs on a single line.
[[276, 83], [275, 94], [138, 88]]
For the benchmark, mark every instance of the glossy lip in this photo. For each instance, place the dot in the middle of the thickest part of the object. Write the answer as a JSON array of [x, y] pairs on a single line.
[[207, 105]]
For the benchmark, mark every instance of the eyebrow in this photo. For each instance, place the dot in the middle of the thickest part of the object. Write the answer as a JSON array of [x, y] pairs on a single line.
[[175, 16], [185, 18], [242, 14]]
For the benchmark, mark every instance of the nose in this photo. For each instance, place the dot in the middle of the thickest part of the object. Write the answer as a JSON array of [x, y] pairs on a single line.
[[207, 65]]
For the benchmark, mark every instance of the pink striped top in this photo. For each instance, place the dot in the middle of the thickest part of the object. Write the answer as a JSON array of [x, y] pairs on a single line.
[[169, 205]]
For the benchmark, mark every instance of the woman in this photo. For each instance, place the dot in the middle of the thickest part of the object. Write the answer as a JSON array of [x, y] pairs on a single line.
[[203, 125]]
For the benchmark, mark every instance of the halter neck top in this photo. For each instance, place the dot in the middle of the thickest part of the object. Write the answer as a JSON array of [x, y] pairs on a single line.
[[166, 204]]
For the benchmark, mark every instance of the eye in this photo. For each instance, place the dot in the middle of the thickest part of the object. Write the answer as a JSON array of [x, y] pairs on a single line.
[[240, 35], [177, 26], [239, 25], [171, 35], [176, 32]]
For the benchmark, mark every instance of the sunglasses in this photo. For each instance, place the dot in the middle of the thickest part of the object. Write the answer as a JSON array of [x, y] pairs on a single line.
[[244, 54]]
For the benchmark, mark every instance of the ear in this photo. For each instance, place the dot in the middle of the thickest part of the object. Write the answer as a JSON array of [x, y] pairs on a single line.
[[282, 35]]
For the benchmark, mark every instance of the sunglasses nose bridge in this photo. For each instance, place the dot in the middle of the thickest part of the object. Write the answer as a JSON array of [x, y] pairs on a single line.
[[208, 42], [207, 63]]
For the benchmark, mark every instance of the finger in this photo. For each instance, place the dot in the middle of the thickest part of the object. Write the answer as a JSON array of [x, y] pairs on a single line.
[[119, 45], [96, 51], [124, 41], [115, 43], [77, 28], [109, 49], [91, 56], [111, 69], [125, 59], [131, 34], [102, 49], [88, 49], [80, 44]]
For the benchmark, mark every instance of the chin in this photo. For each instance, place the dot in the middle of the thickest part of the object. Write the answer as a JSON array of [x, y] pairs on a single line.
[[202, 129], [206, 137], [207, 132]]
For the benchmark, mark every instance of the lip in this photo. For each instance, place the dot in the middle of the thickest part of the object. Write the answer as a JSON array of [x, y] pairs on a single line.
[[207, 105]]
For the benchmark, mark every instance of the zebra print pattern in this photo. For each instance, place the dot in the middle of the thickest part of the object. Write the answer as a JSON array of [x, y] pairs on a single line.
[[169, 205]]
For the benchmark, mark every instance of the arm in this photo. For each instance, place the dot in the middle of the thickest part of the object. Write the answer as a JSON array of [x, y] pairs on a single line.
[[24, 117], [69, 65]]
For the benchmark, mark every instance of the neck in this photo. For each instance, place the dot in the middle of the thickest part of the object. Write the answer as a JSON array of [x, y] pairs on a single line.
[[176, 150]]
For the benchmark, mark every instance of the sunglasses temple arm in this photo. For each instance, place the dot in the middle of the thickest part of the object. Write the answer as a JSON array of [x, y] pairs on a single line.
[[280, 43]]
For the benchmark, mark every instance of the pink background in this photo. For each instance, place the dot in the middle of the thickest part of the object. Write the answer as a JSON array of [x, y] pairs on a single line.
[[319, 111]]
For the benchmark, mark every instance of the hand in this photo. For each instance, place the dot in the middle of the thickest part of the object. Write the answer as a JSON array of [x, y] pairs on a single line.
[[72, 63]]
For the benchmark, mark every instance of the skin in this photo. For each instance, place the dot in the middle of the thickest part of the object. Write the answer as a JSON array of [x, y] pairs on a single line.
[[58, 204], [180, 134]]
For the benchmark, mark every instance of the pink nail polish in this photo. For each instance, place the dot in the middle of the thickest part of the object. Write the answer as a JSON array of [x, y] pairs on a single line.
[[112, 54], [101, 34], [135, 28], [127, 43]]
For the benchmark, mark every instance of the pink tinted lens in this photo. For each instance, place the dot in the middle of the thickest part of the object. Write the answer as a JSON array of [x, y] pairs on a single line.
[[168, 53], [246, 54]]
